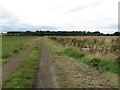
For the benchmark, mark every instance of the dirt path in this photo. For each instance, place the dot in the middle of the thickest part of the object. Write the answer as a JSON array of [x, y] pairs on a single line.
[[9, 67], [79, 75], [46, 77]]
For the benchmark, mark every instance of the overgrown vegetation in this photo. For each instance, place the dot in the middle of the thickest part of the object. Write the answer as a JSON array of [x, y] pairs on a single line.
[[74, 68], [98, 42], [98, 63], [24, 76]]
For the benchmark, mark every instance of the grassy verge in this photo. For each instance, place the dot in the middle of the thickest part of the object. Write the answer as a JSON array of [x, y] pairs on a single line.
[[72, 53], [71, 64], [103, 65], [99, 64], [24, 76]]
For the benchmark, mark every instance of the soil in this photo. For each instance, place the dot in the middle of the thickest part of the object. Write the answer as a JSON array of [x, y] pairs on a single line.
[[82, 76], [46, 77]]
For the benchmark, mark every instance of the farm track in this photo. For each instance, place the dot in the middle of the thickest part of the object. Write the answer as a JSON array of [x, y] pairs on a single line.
[[83, 76], [45, 77], [9, 67]]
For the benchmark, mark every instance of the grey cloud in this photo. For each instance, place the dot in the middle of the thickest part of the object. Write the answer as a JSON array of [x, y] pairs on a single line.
[[97, 3], [111, 26], [9, 21], [44, 27], [27, 27], [8, 15], [12, 23], [78, 8]]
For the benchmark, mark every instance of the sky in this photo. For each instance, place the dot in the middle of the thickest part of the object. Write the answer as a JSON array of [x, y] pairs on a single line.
[[59, 15]]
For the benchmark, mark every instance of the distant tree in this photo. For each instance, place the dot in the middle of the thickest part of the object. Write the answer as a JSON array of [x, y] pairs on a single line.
[[89, 33], [97, 33], [61, 33], [116, 34], [107, 34]]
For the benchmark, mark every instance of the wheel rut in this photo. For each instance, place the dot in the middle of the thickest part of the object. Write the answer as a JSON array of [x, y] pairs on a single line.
[[46, 77], [9, 67]]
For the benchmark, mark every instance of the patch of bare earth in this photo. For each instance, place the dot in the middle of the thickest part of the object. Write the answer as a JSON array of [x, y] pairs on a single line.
[[46, 77], [72, 74]]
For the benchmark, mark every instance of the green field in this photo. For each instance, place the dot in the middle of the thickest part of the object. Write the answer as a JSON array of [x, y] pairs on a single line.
[[12, 45]]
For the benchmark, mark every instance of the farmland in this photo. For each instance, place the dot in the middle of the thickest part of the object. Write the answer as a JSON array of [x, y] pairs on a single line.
[[96, 52], [12, 45], [99, 52], [29, 65], [60, 61]]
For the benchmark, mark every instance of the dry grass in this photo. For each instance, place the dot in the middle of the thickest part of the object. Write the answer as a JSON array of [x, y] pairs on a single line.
[[74, 74], [109, 57], [104, 47]]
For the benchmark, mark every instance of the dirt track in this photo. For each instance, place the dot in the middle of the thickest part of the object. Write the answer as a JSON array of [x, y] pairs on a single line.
[[82, 76], [9, 67], [46, 77]]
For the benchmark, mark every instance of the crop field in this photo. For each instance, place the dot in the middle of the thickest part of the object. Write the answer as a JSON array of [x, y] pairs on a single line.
[[99, 52], [103, 53], [102, 46], [93, 41], [60, 61]]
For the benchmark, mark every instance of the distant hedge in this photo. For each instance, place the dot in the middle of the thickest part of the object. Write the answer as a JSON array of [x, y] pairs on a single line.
[[60, 33]]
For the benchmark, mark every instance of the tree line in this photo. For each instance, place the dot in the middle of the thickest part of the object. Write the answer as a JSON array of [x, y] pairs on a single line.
[[60, 33]]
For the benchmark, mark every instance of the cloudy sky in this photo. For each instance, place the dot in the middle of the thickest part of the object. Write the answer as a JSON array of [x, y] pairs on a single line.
[[62, 15]]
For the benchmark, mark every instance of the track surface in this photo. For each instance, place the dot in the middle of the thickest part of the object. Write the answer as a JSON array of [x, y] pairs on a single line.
[[9, 67], [46, 77], [82, 76]]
